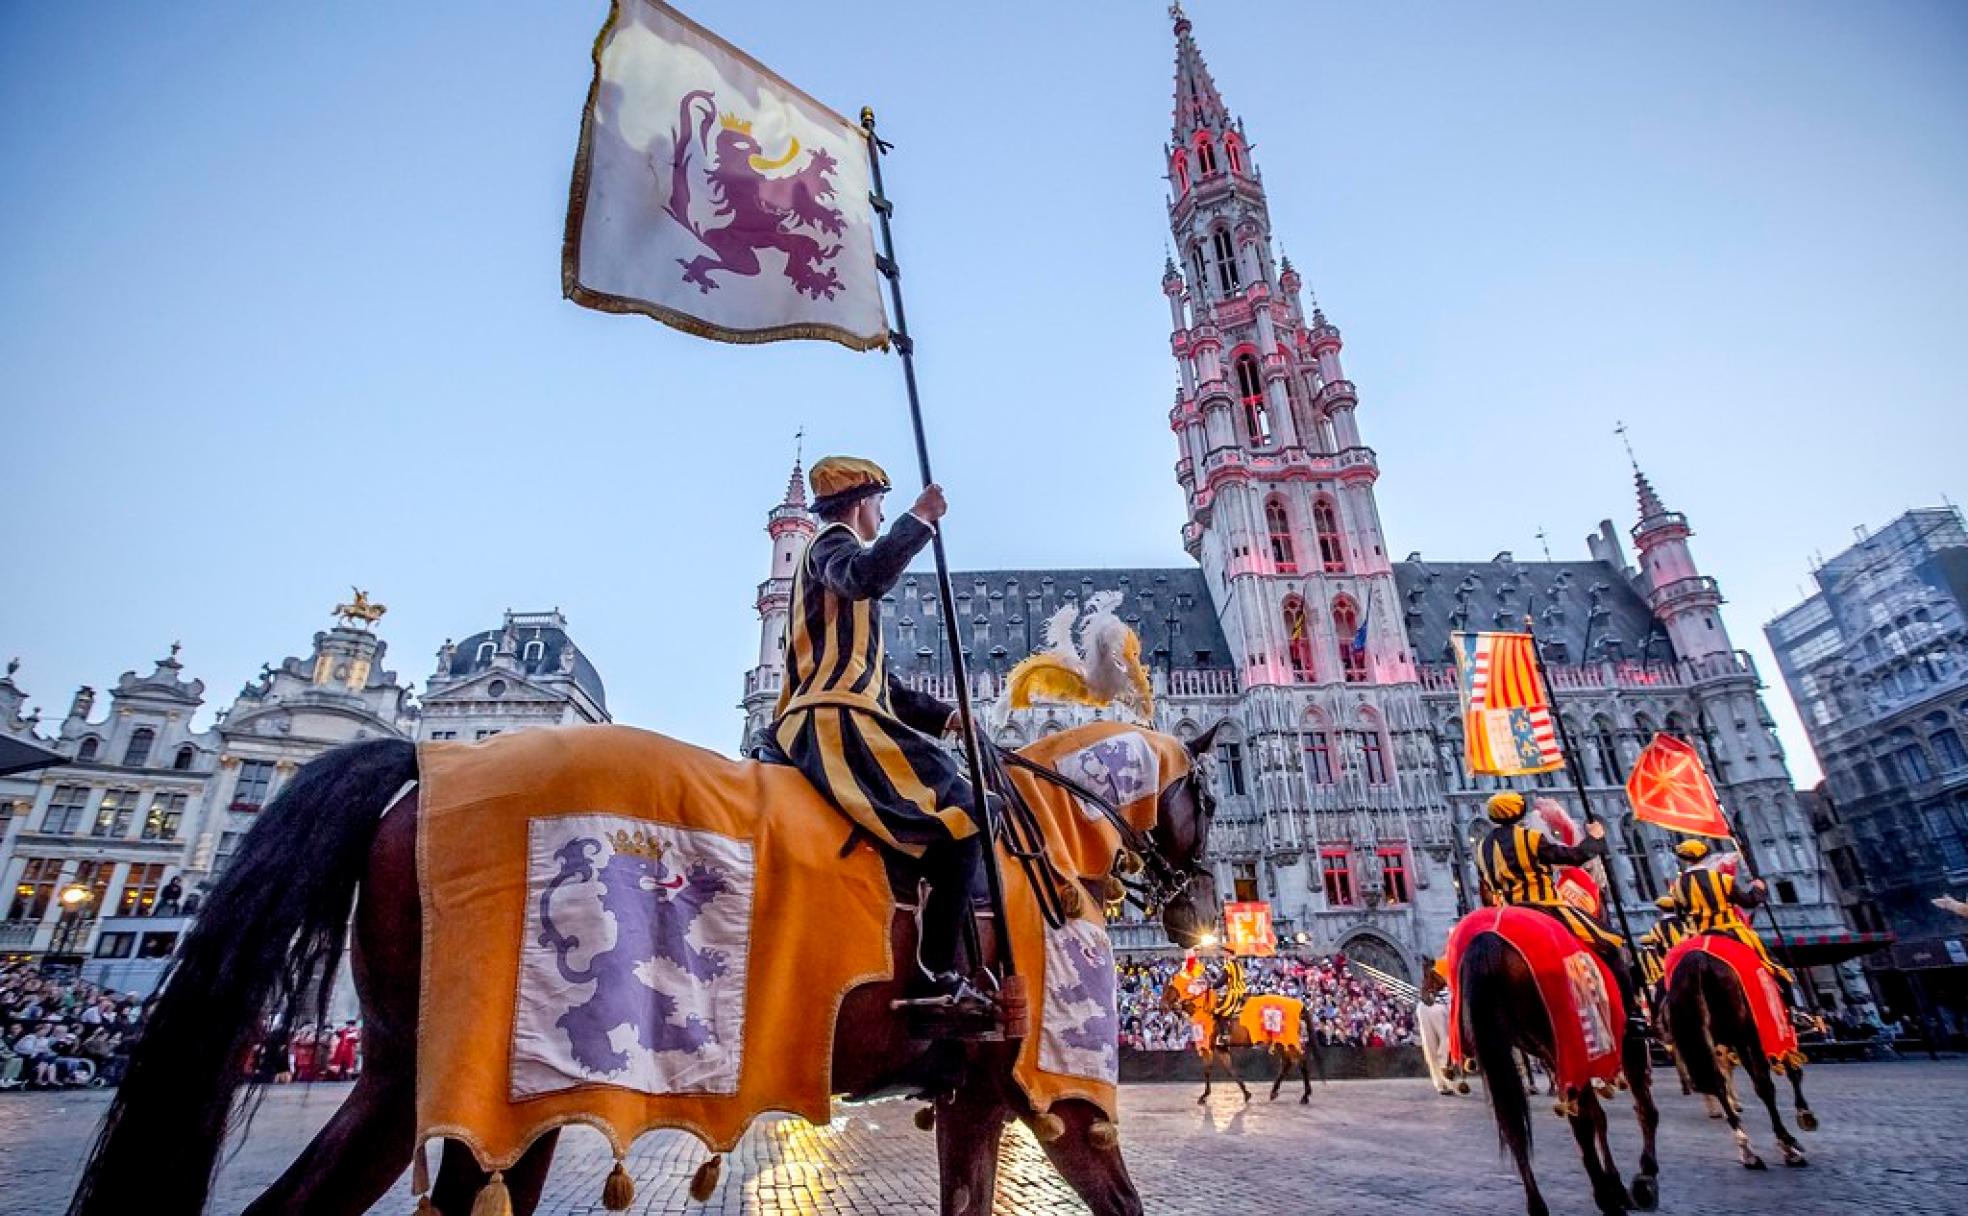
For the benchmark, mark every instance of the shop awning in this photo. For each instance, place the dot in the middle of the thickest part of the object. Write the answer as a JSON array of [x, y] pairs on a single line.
[[20, 756], [1825, 949]]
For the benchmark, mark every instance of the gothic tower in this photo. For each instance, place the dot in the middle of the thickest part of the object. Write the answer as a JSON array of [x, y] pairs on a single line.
[[1279, 486], [791, 526], [1343, 809]]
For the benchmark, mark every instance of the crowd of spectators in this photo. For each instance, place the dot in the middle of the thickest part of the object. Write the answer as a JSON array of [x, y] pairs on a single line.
[[58, 1031], [1341, 1005]]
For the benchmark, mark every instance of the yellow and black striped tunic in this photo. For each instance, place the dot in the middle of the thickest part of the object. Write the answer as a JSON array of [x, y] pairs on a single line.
[[858, 736], [1707, 901], [1515, 861]]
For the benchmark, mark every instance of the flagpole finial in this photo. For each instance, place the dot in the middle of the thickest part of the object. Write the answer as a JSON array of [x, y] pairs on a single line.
[[1627, 443]]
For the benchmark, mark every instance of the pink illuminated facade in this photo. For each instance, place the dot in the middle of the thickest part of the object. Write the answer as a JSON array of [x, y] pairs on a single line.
[[1344, 801]]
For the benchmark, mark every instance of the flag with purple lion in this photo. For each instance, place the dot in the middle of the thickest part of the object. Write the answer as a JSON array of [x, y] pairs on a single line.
[[715, 197]]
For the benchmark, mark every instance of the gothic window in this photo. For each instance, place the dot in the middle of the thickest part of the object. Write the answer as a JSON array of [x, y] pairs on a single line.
[[1394, 873], [1205, 155], [1332, 548], [1346, 628], [1298, 640], [1233, 152], [1337, 870], [1642, 862], [87, 751], [1678, 727], [1947, 748], [186, 756], [1228, 276], [1318, 757], [1284, 559], [137, 754], [1250, 387], [1233, 769], [1199, 280], [1607, 750], [1180, 170], [1373, 756]]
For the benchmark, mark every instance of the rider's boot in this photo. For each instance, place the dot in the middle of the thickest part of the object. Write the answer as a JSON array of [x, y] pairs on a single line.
[[951, 995]]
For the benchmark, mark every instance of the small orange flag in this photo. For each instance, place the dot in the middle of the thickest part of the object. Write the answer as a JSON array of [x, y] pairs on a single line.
[[1668, 787]]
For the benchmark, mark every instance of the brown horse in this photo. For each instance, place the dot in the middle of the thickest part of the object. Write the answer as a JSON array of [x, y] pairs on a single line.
[[268, 944], [1713, 1029], [1217, 1039], [1503, 1014]]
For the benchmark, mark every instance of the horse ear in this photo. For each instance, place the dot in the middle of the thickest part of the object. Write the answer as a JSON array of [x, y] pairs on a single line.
[[1203, 742]]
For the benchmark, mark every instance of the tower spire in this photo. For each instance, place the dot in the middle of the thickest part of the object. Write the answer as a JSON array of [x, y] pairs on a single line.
[[1198, 105], [1650, 501], [796, 484]]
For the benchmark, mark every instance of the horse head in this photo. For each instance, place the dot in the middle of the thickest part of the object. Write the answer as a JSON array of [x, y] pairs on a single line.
[[1181, 837]]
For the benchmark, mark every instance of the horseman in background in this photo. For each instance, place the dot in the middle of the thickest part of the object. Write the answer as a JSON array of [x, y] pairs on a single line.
[[1707, 898], [868, 742], [1657, 941], [1230, 991], [1516, 865]]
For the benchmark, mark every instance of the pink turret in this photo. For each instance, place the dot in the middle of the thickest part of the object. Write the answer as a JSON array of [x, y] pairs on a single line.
[[791, 526], [1686, 602]]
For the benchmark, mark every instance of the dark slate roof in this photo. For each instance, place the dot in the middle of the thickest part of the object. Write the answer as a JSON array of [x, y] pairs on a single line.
[[465, 662], [1438, 598], [1004, 614]]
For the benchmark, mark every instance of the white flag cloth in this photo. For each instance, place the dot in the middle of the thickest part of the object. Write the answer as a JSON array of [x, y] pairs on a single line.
[[713, 196]]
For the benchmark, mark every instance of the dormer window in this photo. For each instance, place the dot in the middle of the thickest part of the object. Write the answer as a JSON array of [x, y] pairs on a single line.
[[137, 754], [485, 651], [535, 651]]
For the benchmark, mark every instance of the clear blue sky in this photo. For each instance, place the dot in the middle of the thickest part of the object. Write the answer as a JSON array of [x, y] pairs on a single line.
[[280, 309]]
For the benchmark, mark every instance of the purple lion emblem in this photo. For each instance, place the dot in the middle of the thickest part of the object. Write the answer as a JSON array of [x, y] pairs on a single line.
[[653, 909], [765, 212]]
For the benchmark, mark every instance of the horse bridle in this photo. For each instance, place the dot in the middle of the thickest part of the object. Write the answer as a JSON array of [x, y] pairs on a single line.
[[1157, 881]]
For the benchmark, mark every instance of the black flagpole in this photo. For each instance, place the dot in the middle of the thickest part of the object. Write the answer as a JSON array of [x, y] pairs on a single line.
[[1585, 801], [906, 347]]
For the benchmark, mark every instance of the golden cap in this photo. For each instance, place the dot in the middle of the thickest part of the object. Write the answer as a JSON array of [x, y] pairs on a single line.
[[1506, 806], [833, 477]]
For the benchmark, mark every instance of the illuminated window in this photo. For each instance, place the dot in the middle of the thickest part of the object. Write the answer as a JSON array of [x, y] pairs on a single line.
[[140, 890], [1298, 641], [1205, 155], [165, 816], [1250, 386], [1332, 549], [1394, 873], [1228, 276], [1283, 559], [35, 890], [1233, 151], [1179, 168], [1337, 870], [114, 813]]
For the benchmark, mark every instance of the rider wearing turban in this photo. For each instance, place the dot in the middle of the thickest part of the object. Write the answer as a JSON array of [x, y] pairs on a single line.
[[1707, 899], [863, 738], [1517, 863]]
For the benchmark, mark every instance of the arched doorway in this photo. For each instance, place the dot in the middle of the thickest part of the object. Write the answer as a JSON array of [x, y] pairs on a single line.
[[1377, 952]]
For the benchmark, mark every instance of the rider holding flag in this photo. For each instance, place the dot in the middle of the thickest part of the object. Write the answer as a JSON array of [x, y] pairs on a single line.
[[1518, 865], [1707, 898]]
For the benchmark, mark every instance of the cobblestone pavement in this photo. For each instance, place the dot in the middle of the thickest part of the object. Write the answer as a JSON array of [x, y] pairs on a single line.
[[1889, 1143]]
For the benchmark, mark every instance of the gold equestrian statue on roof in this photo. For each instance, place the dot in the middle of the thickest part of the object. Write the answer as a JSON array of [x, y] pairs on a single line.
[[361, 612]]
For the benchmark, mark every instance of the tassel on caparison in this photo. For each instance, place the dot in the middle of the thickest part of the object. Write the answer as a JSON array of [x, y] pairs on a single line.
[[703, 1182], [493, 1198], [619, 1191]]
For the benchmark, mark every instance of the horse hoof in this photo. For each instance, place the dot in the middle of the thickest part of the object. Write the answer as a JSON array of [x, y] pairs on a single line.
[[1203, 1101], [1797, 1162], [1646, 1193], [1462, 1087], [1306, 1100], [1807, 1120], [1755, 1163]]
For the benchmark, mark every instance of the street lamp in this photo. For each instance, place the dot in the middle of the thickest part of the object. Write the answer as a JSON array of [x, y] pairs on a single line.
[[75, 900]]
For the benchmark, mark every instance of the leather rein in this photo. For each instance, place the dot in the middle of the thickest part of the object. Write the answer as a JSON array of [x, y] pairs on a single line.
[[1151, 887]]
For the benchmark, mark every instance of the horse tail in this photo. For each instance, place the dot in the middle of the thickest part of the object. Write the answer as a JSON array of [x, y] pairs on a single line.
[[1694, 994], [1483, 983], [267, 943]]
